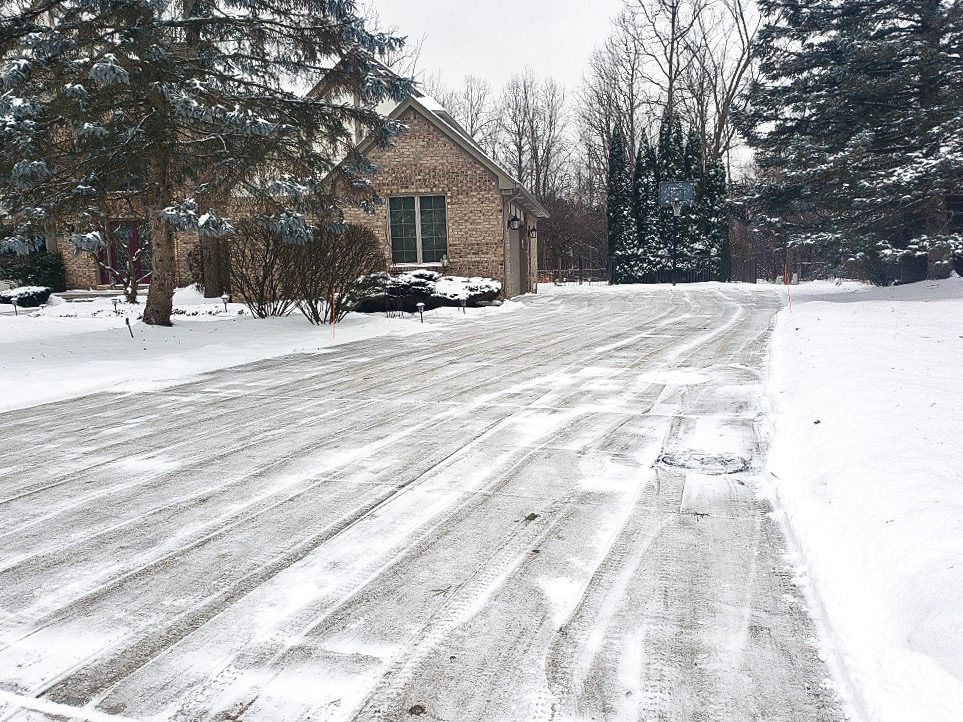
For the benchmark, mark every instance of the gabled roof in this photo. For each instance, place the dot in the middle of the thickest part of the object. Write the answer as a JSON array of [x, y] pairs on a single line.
[[437, 115], [432, 111]]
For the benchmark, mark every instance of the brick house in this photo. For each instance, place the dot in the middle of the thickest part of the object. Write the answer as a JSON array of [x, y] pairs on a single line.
[[448, 206]]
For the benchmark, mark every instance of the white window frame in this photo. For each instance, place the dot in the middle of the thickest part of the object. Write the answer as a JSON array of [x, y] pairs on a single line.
[[420, 253]]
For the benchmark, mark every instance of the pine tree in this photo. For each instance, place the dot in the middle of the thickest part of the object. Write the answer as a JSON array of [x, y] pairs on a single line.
[[856, 123], [672, 148], [640, 194], [653, 251], [716, 220], [183, 114], [620, 212], [695, 249], [672, 167]]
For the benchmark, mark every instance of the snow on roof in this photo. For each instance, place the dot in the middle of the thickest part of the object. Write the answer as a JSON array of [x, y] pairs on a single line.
[[431, 104]]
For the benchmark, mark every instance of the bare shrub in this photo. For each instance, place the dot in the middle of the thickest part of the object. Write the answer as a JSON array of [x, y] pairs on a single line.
[[328, 273], [261, 266]]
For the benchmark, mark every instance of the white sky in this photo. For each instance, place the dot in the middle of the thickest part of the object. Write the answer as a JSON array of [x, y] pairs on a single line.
[[493, 40]]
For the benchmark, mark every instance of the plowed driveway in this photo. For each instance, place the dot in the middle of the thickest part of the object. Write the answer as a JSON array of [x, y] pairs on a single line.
[[548, 514]]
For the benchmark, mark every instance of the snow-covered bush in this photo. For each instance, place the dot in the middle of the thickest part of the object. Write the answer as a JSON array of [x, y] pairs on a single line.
[[26, 296], [403, 291]]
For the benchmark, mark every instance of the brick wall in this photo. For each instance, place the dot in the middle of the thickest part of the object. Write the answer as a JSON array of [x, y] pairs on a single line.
[[81, 270], [426, 161], [423, 161], [184, 244]]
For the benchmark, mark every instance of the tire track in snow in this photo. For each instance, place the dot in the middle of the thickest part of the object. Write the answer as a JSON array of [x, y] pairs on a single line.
[[146, 570], [206, 461]]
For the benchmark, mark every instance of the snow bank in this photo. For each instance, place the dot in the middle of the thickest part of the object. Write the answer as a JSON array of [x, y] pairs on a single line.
[[865, 466]]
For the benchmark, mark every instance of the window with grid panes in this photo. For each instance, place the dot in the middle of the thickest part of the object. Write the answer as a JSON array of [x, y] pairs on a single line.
[[418, 226], [403, 229]]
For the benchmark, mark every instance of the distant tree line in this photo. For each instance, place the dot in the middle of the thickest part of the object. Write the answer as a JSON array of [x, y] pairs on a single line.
[[833, 129], [683, 59]]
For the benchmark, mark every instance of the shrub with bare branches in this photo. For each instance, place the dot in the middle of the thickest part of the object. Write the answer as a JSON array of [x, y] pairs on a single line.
[[328, 273], [260, 269]]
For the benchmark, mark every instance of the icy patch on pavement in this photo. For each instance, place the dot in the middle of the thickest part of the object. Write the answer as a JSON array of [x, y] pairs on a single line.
[[865, 464], [675, 377], [563, 595]]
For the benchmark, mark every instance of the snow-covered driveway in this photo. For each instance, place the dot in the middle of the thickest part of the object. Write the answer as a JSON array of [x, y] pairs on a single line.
[[543, 515]]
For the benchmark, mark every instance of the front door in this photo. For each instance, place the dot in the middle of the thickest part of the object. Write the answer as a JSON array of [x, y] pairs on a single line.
[[128, 253], [513, 264]]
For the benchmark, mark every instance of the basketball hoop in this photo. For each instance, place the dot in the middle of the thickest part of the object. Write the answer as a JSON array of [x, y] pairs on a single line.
[[676, 194]]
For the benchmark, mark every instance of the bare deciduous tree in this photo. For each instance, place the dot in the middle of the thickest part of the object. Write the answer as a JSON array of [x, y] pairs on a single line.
[[533, 125], [473, 105], [692, 57], [721, 48], [403, 60], [663, 30]]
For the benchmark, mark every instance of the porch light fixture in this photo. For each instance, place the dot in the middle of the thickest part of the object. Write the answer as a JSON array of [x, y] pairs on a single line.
[[514, 223], [533, 232]]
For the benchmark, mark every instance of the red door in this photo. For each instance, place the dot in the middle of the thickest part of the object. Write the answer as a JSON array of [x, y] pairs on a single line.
[[128, 253]]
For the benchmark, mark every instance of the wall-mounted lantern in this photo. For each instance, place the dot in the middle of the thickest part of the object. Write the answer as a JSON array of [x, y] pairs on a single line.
[[533, 232], [514, 223]]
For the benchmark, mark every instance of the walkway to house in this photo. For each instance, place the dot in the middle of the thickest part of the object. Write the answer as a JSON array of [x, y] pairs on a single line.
[[545, 515]]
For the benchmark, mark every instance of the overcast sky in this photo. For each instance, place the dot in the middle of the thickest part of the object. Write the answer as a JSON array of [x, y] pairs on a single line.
[[493, 40]]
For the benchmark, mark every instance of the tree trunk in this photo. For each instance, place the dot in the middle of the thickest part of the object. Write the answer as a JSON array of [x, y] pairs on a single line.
[[214, 267], [161, 293], [160, 297]]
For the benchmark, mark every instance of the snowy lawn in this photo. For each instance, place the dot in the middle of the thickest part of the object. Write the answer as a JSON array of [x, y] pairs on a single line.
[[865, 464], [71, 349]]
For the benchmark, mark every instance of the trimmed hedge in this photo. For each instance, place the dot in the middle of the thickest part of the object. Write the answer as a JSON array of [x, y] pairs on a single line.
[[34, 269], [404, 291], [27, 296]]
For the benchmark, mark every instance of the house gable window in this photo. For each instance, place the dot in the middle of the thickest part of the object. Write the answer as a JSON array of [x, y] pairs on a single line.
[[418, 227]]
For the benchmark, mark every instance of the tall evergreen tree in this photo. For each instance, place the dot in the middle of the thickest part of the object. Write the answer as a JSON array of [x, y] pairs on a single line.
[[695, 249], [672, 148], [715, 218], [653, 251], [671, 159], [620, 212], [856, 122], [181, 113]]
